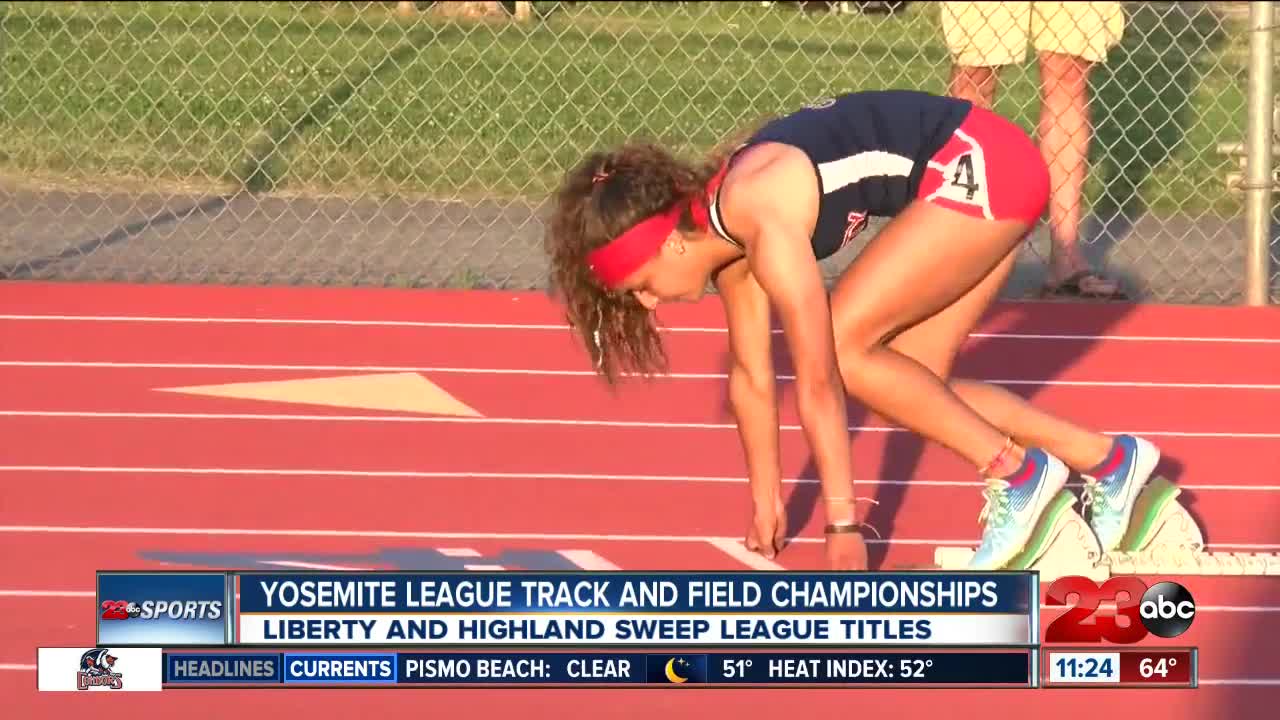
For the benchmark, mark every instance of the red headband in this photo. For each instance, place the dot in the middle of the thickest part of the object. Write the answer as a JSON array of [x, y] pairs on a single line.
[[614, 261]]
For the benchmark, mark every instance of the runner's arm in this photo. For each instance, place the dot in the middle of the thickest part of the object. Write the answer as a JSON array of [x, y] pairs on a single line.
[[752, 383], [771, 208]]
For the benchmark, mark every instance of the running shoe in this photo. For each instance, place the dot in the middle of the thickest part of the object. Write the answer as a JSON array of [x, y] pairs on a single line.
[[1113, 487], [1014, 506]]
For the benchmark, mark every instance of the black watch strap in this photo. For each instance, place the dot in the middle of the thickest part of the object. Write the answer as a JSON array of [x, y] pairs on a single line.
[[843, 528]]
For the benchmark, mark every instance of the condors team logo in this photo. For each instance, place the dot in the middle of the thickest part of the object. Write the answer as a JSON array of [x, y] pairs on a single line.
[[98, 669]]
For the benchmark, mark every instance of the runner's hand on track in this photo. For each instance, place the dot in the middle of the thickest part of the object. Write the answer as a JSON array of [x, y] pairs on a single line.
[[846, 551], [768, 532]]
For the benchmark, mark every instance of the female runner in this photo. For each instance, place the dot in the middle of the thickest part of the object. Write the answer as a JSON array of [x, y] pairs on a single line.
[[962, 187]]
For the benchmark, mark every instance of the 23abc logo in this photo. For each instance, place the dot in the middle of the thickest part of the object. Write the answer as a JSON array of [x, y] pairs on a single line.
[[120, 610], [1165, 609]]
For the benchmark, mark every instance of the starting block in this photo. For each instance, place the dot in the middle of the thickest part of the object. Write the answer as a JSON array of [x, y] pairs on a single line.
[[1061, 544], [1163, 539]]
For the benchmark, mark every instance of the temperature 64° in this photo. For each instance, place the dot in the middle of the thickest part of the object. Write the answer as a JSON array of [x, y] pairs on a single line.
[[736, 668], [1149, 667], [913, 667]]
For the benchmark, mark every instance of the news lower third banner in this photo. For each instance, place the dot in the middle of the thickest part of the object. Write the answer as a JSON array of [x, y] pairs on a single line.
[[108, 669], [979, 667], [570, 609]]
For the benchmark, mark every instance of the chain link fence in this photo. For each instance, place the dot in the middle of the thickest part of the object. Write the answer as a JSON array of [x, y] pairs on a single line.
[[411, 144]]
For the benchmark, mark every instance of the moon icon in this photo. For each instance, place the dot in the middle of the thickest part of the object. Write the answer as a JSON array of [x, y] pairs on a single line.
[[671, 672]]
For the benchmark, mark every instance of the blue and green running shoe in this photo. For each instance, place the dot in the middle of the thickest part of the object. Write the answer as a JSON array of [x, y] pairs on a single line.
[[1111, 489], [1014, 506]]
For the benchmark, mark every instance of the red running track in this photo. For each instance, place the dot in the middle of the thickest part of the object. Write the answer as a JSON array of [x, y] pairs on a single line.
[[101, 469]]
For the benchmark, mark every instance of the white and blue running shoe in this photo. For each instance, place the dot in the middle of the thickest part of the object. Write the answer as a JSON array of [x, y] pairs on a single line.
[[1109, 495], [1014, 507]]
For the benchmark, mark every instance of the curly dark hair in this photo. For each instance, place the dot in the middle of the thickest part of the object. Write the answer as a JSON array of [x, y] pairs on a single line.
[[607, 193]]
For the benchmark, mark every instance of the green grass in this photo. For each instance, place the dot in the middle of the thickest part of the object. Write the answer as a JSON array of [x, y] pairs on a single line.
[[346, 98]]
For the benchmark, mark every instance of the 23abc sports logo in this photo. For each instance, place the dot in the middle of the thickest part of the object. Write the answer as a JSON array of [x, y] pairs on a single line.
[[1165, 609], [161, 609]]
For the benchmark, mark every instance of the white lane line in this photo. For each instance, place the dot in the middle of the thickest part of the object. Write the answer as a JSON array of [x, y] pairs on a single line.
[[587, 560], [48, 594], [562, 327], [469, 475], [313, 566], [472, 535], [432, 419], [589, 374], [736, 550]]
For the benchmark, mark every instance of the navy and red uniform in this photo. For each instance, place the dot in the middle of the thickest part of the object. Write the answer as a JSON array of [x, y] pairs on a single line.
[[876, 152]]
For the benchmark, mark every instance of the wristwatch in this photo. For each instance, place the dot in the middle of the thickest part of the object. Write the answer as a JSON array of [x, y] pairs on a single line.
[[843, 528]]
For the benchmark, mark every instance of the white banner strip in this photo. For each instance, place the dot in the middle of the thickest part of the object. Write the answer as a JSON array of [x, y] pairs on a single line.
[[629, 630]]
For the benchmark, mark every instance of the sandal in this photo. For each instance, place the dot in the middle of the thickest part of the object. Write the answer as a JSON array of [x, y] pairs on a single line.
[[1078, 286]]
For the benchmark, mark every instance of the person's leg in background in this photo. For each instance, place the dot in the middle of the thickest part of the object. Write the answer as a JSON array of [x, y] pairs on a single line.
[[983, 37], [1070, 37]]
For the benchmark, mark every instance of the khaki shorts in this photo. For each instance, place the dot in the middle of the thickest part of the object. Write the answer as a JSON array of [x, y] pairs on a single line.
[[984, 34]]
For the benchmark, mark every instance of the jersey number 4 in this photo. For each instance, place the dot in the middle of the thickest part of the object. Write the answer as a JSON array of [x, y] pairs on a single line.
[[964, 177]]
